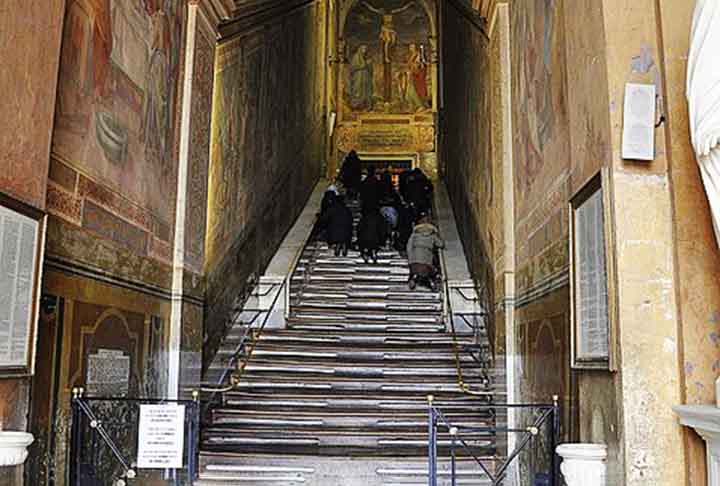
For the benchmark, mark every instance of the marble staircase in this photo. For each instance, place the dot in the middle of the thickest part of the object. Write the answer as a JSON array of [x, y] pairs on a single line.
[[339, 396]]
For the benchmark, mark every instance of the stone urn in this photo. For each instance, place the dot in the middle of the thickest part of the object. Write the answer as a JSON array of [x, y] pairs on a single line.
[[584, 464], [13, 447]]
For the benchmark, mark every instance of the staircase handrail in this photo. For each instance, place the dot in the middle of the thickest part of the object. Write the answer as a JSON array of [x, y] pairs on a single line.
[[241, 361], [240, 365], [449, 315]]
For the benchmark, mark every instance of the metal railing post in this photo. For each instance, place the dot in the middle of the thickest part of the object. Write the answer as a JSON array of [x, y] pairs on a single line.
[[555, 431], [432, 443], [193, 438], [75, 438], [453, 459]]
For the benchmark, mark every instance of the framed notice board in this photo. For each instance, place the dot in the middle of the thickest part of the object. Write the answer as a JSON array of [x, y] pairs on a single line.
[[592, 288], [22, 235]]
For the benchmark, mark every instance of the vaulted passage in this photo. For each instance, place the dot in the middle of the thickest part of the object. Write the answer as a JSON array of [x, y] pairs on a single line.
[[163, 171]]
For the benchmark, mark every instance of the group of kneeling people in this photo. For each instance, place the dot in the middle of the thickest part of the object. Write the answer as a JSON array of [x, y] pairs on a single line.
[[387, 220]]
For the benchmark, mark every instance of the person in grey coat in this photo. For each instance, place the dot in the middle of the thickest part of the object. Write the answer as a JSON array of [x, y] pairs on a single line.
[[421, 248]]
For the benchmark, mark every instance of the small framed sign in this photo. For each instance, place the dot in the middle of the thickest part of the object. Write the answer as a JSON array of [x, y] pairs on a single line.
[[22, 234], [592, 288]]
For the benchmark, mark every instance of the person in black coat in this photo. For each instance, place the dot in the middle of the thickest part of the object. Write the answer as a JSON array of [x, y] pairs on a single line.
[[371, 191], [351, 174], [406, 221], [372, 233], [328, 200], [403, 183], [419, 190], [337, 221]]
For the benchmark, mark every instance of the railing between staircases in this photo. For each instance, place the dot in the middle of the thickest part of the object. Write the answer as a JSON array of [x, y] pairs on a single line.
[[547, 415], [242, 355], [449, 316], [105, 441]]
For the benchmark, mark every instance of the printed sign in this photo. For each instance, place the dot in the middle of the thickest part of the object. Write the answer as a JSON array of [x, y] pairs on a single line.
[[161, 438]]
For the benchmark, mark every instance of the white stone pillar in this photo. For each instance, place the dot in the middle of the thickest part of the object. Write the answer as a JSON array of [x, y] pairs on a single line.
[[175, 333], [584, 464]]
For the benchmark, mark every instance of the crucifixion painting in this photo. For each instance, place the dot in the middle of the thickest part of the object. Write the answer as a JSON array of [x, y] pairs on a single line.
[[388, 69], [388, 34]]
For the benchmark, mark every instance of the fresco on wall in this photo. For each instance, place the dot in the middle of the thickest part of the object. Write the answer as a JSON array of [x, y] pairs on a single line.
[[266, 138], [117, 96], [539, 82], [388, 54]]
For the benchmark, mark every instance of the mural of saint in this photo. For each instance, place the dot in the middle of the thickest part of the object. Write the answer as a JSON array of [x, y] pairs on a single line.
[[156, 107], [417, 83], [360, 92], [117, 98]]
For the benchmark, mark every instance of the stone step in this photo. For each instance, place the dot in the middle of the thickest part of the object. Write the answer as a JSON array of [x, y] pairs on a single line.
[[370, 295], [335, 444], [349, 305], [359, 388], [312, 404], [337, 471], [223, 419], [333, 339], [264, 355]]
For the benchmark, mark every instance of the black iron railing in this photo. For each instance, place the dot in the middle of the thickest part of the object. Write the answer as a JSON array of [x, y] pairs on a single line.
[[545, 420], [104, 442]]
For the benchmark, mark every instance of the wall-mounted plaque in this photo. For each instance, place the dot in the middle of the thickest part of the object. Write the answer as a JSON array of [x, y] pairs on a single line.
[[21, 235], [108, 373], [592, 286]]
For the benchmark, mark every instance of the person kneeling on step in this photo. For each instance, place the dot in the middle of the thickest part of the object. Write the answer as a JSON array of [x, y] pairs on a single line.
[[421, 248]]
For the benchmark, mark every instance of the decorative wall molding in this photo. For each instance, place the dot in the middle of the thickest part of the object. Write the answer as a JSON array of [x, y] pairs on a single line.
[[544, 287], [85, 271]]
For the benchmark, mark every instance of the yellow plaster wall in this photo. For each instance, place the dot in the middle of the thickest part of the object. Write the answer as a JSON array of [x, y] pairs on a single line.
[[649, 341]]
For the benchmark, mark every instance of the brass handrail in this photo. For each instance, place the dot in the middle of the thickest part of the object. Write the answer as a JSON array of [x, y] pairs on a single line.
[[464, 387], [241, 364]]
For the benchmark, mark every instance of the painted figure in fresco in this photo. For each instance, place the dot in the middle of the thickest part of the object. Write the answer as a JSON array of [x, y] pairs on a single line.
[[388, 34], [361, 80], [417, 89], [156, 107], [102, 46]]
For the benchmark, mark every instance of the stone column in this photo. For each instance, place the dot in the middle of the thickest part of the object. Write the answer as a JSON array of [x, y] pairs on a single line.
[[176, 315]]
